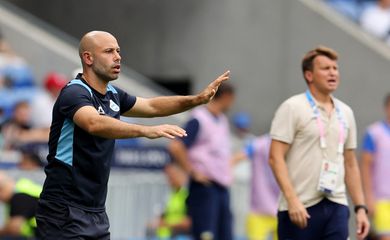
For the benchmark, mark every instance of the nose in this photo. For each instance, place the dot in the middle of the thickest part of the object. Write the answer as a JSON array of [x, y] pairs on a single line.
[[117, 57], [333, 71]]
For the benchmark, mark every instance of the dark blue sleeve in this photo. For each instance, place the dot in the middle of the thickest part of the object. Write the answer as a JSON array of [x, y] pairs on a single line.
[[368, 143], [126, 101], [192, 129], [72, 98]]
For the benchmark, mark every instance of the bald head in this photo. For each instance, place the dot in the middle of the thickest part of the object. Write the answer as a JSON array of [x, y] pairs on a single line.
[[92, 39], [100, 56]]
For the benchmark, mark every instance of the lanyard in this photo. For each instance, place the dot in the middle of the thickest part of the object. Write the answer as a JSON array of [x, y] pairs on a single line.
[[320, 124]]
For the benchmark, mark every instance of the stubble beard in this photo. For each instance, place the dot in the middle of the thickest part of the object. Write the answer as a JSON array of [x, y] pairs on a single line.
[[103, 74]]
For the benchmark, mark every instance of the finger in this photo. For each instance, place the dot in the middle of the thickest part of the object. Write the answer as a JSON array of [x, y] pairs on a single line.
[[365, 229], [225, 74], [294, 219], [304, 221], [178, 131], [167, 135], [359, 228]]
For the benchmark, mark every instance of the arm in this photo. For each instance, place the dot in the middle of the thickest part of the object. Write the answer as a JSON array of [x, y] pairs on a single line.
[[237, 158], [366, 168], [297, 212], [165, 106], [181, 227], [179, 154], [354, 186], [89, 119], [13, 226]]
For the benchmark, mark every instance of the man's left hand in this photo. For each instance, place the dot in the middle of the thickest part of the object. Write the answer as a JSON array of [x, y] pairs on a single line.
[[362, 224], [208, 93]]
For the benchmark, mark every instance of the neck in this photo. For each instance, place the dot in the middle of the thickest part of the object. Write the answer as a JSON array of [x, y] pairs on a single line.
[[321, 97], [95, 82], [383, 5], [214, 108]]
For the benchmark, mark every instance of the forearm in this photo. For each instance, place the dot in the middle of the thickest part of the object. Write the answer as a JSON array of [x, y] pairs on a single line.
[[237, 158], [281, 174], [108, 127], [12, 227], [168, 105], [353, 181], [182, 226], [179, 154]]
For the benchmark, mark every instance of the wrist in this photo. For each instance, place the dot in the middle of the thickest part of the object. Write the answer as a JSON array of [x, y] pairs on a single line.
[[360, 207], [197, 99]]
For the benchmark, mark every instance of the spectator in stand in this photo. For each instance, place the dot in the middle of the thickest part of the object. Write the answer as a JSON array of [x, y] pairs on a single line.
[[21, 199], [376, 20], [17, 130], [43, 102]]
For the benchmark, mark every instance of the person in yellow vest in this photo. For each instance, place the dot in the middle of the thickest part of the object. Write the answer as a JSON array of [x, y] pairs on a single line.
[[20, 199], [174, 223]]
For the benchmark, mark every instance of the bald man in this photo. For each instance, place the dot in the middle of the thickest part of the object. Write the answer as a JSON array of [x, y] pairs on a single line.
[[85, 124]]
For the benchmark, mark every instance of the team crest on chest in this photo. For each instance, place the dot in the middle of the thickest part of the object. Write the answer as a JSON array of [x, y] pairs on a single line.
[[114, 107]]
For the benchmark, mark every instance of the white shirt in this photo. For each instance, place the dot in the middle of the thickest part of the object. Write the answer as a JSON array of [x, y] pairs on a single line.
[[376, 21], [295, 123], [41, 110]]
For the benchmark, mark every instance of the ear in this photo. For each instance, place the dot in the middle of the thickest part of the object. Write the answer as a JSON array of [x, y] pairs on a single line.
[[87, 58], [309, 76]]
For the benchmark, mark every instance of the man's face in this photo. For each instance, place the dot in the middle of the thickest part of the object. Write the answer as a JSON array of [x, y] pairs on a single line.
[[106, 58], [325, 74], [227, 101]]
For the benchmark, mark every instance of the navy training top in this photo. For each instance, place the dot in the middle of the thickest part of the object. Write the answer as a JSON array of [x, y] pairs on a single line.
[[78, 162]]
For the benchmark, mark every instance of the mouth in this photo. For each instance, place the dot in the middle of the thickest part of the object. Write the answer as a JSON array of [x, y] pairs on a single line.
[[332, 81], [117, 68]]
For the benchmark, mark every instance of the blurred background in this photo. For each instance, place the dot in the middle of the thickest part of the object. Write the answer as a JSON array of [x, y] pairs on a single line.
[[178, 47]]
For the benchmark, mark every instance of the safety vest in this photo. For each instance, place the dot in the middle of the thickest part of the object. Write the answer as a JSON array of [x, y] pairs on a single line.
[[174, 213], [26, 186]]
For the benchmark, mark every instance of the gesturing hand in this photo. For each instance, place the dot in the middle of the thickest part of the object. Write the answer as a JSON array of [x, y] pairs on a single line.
[[208, 93], [168, 131], [298, 213]]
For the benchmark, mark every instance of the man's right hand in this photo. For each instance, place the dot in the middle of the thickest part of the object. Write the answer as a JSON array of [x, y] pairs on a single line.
[[166, 130], [298, 213], [200, 178]]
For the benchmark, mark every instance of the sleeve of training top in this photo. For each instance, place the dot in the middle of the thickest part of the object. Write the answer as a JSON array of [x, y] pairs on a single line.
[[126, 101], [351, 138], [368, 143], [283, 126], [22, 205], [192, 129], [72, 98]]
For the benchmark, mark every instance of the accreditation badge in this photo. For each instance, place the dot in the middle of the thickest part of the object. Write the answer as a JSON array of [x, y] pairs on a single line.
[[328, 177]]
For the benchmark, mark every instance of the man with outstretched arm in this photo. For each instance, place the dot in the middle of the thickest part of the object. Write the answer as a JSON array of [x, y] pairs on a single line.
[[85, 124]]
